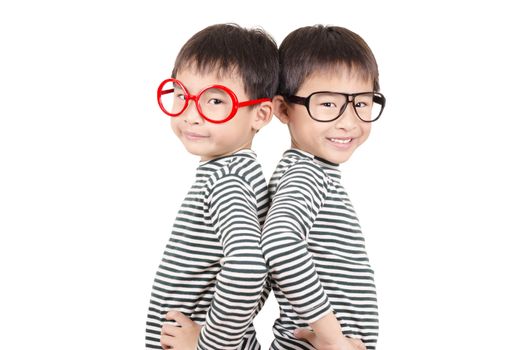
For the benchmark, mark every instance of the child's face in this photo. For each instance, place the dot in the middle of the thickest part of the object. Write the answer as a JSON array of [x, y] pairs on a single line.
[[209, 140], [334, 141]]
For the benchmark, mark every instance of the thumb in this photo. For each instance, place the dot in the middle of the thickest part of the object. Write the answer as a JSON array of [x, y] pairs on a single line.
[[303, 333], [358, 344], [177, 316]]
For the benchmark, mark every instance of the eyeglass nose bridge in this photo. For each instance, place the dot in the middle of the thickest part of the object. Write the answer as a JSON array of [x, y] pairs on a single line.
[[190, 97], [195, 98], [349, 99], [351, 110]]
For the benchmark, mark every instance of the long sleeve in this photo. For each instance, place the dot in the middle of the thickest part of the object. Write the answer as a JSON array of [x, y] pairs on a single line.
[[232, 211], [295, 204]]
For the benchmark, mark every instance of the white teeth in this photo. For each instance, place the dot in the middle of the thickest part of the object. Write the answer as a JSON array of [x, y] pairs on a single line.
[[343, 141]]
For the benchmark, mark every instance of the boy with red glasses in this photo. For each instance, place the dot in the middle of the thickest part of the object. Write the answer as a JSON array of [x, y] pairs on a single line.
[[209, 285], [312, 242]]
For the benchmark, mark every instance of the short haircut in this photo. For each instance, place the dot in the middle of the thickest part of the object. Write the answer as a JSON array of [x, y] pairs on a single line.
[[230, 49], [319, 48]]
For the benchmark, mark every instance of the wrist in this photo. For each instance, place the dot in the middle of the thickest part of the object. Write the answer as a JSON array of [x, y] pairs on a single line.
[[328, 329], [338, 343]]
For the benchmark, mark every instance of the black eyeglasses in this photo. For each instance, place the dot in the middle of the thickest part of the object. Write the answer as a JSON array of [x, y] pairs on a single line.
[[327, 106]]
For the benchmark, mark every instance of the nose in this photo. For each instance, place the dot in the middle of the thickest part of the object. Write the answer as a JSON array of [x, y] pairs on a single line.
[[190, 115], [348, 120]]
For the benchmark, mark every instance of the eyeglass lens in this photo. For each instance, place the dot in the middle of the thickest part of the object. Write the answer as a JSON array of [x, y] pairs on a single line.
[[328, 106], [213, 103]]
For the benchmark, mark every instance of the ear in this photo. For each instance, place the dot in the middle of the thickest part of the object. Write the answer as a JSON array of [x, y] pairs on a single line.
[[262, 116], [280, 109]]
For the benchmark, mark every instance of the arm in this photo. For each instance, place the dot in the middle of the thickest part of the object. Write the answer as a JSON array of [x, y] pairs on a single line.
[[232, 210], [295, 205]]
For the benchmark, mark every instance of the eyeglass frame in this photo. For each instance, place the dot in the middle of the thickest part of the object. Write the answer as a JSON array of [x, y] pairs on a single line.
[[305, 101], [195, 98]]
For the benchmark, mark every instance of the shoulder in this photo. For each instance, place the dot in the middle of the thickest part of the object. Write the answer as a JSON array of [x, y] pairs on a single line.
[[246, 168], [304, 170], [306, 166], [296, 162], [303, 175], [237, 172]]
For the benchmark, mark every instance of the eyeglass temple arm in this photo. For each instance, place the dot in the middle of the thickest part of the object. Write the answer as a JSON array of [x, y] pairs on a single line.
[[379, 99], [253, 102], [295, 99]]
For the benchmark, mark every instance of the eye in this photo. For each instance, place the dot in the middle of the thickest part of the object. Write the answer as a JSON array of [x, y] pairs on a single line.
[[328, 104], [180, 96], [215, 101], [363, 101], [361, 105]]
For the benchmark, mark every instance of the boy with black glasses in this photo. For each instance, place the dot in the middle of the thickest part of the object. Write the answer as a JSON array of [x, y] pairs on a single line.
[[209, 285], [311, 240]]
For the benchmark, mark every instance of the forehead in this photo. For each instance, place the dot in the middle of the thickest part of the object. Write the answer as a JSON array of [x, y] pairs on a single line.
[[341, 79], [195, 78]]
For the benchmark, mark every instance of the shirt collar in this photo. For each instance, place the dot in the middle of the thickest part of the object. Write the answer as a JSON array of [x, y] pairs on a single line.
[[245, 152], [331, 169]]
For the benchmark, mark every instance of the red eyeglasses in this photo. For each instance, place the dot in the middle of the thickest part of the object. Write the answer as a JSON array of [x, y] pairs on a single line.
[[216, 104]]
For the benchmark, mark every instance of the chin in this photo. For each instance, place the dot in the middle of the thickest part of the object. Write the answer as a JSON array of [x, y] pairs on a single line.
[[338, 160], [196, 151], [341, 158]]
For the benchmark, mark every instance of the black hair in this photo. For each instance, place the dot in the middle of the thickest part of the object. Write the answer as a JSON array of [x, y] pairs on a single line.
[[231, 49], [323, 48]]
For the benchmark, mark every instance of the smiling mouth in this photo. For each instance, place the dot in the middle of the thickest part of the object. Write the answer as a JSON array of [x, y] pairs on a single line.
[[342, 141]]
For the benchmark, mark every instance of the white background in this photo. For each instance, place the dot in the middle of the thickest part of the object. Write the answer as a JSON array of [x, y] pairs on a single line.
[[92, 176]]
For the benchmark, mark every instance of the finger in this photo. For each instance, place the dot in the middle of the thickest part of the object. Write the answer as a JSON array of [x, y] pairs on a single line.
[[177, 316], [165, 347], [358, 344], [169, 329], [306, 334], [167, 342]]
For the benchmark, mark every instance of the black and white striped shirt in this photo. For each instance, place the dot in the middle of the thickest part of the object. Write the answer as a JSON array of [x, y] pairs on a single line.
[[212, 268], [315, 251]]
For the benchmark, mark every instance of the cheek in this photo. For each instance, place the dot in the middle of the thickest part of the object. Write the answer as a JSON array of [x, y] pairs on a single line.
[[304, 129], [366, 132], [237, 127], [219, 134], [175, 125]]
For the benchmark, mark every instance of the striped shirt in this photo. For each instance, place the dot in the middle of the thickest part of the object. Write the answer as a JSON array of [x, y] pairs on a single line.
[[315, 252], [212, 268]]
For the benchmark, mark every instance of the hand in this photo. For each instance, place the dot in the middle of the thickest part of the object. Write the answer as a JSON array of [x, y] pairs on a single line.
[[184, 337], [343, 343], [355, 344]]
